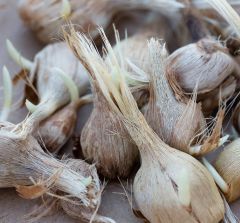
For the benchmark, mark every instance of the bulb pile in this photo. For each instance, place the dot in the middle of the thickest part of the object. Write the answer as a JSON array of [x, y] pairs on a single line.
[[160, 100]]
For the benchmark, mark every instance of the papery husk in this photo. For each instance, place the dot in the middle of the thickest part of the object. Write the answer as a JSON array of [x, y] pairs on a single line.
[[200, 30], [134, 50], [214, 19], [56, 123], [203, 65], [171, 186], [56, 130], [115, 154], [178, 123], [34, 173], [175, 122], [227, 165], [86, 214], [45, 19]]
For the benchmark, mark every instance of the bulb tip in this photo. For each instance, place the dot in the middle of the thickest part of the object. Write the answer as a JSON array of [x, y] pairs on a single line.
[[69, 83], [30, 106], [66, 9], [7, 87], [9, 46], [5, 71], [87, 181], [184, 192]]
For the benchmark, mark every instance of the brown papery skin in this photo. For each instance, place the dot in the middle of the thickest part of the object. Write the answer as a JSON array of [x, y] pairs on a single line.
[[228, 166], [53, 93], [200, 66], [54, 131], [106, 142], [175, 122], [44, 18]]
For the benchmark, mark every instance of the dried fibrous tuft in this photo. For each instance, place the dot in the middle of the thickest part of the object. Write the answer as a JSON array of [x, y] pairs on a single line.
[[176, 123], [34, 173]]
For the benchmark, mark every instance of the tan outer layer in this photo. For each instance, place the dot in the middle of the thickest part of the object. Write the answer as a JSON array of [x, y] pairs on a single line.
[[175, 122], [114, 154], [196, 65], [228, 166], [58, 128]]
